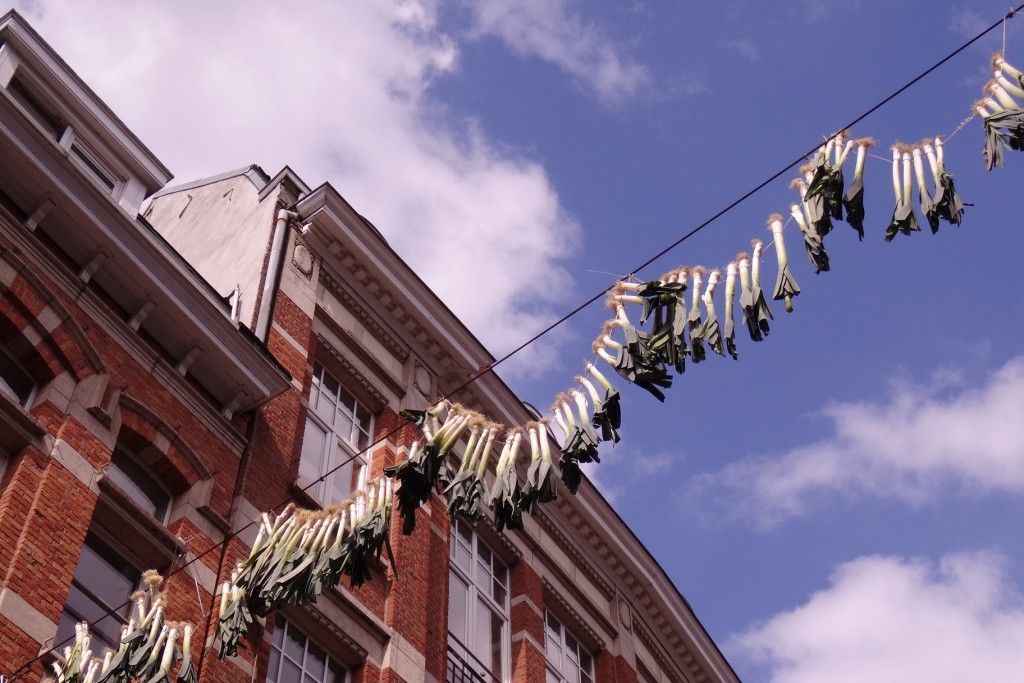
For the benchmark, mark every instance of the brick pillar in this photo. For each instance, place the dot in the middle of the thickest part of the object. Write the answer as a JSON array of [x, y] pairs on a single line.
[[527, 624], [46, 515], [609, 668]]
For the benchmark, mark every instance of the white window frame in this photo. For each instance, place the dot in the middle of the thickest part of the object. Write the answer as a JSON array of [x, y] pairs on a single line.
[[334, 450], [468, 554], [564, 657], [277, 647]]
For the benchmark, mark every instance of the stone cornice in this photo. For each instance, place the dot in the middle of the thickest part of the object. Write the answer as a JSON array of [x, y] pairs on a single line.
[[577, 624], [579, 560], [369, 321], [365, 384], [655, 648]]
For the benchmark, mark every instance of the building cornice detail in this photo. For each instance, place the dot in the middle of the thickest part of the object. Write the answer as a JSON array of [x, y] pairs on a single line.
[[655, 648], [577, 556], [578, 624], [399, 350], [367, 386]]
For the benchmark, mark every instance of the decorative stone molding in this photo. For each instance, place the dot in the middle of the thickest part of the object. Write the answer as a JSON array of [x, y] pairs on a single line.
[[576, 623], [368, 320], [302, 259], [582, 562], [341, 642], [655, 648], [377, 400]]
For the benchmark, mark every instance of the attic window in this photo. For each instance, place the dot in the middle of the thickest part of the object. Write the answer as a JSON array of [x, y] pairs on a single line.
[[93, 168], [50, 121]]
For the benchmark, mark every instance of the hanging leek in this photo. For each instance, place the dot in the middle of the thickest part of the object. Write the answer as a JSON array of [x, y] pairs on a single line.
[[760, 305], [730, 296], [694, 324], [904, 219], [785, 284], [505, 493], [541, 479], [853, 200], [946, 204], [710, 331]]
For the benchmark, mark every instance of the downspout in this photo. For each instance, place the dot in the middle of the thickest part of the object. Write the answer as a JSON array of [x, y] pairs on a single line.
[[273, 279]]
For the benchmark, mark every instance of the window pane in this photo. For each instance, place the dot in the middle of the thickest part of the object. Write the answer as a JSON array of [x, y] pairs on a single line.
[[330, 385], [342, 482], [311, 460], [457, 596], [498, 592], [316, 661], [14, 381], [335, 673], [289, 672], [294, 644], [497, 650]]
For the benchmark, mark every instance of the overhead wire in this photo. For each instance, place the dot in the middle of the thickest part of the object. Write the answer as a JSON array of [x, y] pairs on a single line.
[[480, 372]]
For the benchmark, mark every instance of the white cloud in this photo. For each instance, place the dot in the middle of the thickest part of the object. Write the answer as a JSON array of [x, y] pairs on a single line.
[[623, 467], [891, 620], [340, 92], [745, 48], [554, 31], [917, 442]]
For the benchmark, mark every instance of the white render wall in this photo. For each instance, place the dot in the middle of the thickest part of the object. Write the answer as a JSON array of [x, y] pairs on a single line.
[[223, 230]]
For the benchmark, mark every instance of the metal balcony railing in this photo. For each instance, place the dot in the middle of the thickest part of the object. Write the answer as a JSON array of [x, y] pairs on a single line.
[[463, 667]]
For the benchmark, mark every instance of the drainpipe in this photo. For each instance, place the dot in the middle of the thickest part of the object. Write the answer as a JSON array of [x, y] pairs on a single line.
[[273, 278]]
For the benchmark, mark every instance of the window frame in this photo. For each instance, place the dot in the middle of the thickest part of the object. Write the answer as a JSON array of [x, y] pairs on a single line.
[[465, 537], [278, 647], [334, 447], [143, 469], [565, 652], [107, 549]]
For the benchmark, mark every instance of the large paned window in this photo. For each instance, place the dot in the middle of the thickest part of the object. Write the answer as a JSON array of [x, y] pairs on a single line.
[[478, 603], [102, 584], [294, 658], [338, 431], [567, 661]]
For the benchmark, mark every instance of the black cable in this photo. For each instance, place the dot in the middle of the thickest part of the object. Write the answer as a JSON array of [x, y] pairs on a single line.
[[488, 368]]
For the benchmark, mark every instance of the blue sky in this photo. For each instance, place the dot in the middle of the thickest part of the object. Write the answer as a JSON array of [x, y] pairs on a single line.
[[843, 502]]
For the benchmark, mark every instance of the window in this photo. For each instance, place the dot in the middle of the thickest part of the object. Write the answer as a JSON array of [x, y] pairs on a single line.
[[294, 658], [139, 483], [50, 121], [93, 168], [14, 381], [102, 584], [477, 604], [338, 430], [567, 661]]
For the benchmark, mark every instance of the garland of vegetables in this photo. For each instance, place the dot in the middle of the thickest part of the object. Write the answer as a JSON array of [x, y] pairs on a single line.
[[298, 553]]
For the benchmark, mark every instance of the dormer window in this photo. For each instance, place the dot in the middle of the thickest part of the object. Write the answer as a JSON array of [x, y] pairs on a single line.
[[45, 116], [93, 168], [15, 383]]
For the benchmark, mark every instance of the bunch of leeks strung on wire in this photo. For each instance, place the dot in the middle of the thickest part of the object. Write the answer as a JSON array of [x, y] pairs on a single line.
[[465, 492], [904, 219], [853, 200], [504, 496], [147, 652], [664, 298], [580, 439], [423, 469], [541, 479], [300, 552], [1002, 115], [945, 202], [634, 359], [824, 192]]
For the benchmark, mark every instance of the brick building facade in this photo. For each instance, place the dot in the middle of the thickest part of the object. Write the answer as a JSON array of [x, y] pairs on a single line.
[[143, 425]]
